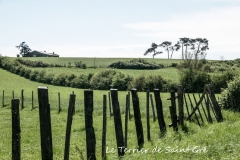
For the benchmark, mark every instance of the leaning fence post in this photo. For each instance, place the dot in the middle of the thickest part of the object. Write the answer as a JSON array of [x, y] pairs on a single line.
[[45, 123], [3, 99], [147, 116], [12, 94], [90, 134], [109, 102], [69, 125], [160, 117], [117, 122], [59, 103], [173, 109], [180, 106], [104, 130], [126, 118], [153, 110], [16, 131], [216, 106], [32, 101], [22, 100], [137, 117]]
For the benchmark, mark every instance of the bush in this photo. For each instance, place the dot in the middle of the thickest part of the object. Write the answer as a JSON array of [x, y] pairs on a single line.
[[230, 97], [194, 80], [139, 83], [121, 81], [102, 80], [60, 80], [155, 81], [80, 82], [33, 75], [220, 81], [135, 64]]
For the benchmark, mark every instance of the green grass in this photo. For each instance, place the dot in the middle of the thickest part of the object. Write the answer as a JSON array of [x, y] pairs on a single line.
[[221, 140]]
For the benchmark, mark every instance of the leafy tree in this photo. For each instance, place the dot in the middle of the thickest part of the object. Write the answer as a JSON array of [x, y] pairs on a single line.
[[152, 49], [176, 47], [24, 49], [166, 45], [199, 46]]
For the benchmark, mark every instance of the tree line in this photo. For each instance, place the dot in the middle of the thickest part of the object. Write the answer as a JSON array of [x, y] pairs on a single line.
[[191, 48]]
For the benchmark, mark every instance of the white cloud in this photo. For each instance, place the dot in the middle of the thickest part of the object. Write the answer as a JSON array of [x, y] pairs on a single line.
[[220, 26]]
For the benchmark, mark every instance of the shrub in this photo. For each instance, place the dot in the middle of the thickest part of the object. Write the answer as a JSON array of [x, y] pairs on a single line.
[[33, 75], [230, 97], [139, 83], [40, 77], [135, 64], [121, 81], [154, 81], [80, 82], [194, 80], [220, 81], [48, 78], [60, 80], [102, 80]]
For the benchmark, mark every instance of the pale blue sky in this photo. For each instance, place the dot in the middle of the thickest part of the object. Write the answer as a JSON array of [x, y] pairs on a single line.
[[118, 28]]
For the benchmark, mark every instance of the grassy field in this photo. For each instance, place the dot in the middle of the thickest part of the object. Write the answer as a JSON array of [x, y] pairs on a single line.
[[211, 141]]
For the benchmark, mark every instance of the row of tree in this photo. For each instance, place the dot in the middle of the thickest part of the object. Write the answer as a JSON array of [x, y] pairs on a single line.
[[191, 48]]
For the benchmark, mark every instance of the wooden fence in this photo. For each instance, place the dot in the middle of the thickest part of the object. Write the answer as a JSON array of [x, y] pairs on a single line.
[[207, 108]]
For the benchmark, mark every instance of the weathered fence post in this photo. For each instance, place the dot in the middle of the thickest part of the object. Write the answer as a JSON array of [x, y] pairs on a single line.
[[173, 110], [90, 134], [45, 123], [186, 104], [160, 117], [16, 131], [137, 117], [32, 101], [153, 110], [147, 116], [22, 99], [216, 106], [59, 103], [104, 130], [109, 102], [3, 99], [180, 106], [12, 94], [208, 110], [129, 106], [69, 125], [126, 118], [117, 122]]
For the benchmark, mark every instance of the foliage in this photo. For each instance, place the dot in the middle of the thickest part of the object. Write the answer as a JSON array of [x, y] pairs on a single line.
[[102, 80], [30, 63], [220, 80], [194, 80], [81, 81], [80, 64], [136, 64], [152, 49], [24, 49], [230, 97], [121, 81]]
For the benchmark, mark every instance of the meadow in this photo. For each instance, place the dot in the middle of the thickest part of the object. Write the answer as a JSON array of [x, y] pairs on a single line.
[[211, 141]]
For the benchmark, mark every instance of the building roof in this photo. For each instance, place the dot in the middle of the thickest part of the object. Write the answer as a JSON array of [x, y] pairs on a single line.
[[46, 53]]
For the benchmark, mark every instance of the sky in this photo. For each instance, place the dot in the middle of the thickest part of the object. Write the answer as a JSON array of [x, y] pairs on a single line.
[[118, 28]]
